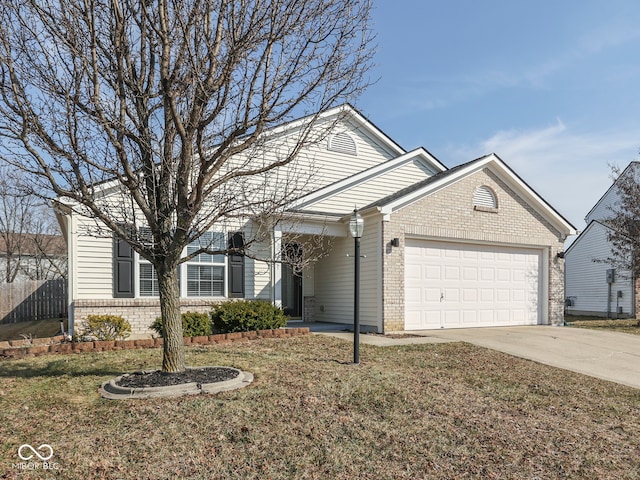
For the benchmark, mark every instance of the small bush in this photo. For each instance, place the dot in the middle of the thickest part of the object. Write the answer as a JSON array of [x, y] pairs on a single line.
[[245, 316], [194, 324], [106, 327]]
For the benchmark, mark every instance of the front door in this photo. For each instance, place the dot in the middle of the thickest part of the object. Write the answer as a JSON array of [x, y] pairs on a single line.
[[292, 281]]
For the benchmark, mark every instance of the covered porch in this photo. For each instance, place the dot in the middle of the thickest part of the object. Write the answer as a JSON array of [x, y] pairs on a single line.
[[317, 287]]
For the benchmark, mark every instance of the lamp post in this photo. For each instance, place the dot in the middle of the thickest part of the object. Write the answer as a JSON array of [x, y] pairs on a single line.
[[356, 227]]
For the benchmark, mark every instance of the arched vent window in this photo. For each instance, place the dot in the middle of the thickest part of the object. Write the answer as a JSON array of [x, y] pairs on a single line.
[[485, 198], [343, 143]]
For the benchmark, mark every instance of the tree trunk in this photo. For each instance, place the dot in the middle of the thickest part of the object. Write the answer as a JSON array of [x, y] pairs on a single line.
[[173, 350]]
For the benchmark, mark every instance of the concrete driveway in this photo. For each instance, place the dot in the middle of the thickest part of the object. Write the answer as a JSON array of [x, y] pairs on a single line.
[[611, 356]]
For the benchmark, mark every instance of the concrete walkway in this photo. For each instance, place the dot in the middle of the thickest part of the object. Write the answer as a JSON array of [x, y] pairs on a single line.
[[610, 356]]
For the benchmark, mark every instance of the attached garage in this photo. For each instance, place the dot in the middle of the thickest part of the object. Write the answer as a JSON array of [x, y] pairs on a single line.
[[458, 285]]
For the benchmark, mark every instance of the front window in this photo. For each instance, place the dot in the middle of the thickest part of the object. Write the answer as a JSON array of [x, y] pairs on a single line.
[[148, 280], [202, 276], [206, 272]]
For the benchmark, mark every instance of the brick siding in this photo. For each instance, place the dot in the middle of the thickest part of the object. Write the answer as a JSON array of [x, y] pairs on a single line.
[[140, 312]]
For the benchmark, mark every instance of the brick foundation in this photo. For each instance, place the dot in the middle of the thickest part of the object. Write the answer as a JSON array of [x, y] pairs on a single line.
[[140, 312]]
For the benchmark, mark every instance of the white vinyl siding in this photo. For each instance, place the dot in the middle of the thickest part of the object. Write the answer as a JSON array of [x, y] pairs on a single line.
[[334, 277], [333, 166], [586, 275], [313, 168], [372, 190], [602, 211], [91, 257], [94, 263]]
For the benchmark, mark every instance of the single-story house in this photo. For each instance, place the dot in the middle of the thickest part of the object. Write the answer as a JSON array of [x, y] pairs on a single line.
[[469, 246], [593, 285]]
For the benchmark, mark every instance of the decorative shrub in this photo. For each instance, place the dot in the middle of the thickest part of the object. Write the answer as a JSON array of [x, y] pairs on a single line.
[[106, 327], [194, 324], [245, 316]]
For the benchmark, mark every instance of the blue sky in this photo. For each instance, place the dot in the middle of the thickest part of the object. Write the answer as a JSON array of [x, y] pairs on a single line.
[[552, 87]]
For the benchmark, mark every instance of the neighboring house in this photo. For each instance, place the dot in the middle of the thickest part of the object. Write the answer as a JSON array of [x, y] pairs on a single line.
[[32, 257], [469, 246], [593, 286]]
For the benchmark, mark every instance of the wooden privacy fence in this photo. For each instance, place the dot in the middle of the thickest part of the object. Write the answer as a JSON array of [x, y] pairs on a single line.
[[33, 300]]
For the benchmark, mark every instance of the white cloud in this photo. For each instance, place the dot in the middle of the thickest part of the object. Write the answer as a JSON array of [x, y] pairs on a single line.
[[570, 169]]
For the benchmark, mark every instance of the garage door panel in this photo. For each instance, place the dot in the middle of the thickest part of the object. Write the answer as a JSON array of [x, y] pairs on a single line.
[[432, 294], [502, 295], [503, 275], [470, 285], [470, 273], [451, 295], [487, 274], [451, 273], [432, 272], [468, 295], [413, 272], [518, 296], [470, 318], [451, 318], [487, 295]]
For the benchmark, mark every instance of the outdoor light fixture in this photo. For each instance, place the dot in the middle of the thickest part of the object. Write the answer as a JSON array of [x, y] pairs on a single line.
[[356, 227], [356, 224]]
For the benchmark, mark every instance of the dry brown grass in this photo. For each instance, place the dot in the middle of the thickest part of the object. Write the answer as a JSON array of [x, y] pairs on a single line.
[[630, 325], [35, 328], [428, 411]]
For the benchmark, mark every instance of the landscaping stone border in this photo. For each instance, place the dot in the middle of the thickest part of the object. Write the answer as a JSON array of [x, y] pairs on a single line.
[[113, 391], [55, 345]]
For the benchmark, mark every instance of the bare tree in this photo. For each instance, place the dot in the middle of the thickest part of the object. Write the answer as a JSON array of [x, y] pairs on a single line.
[[30, 241], [15, 219], [624, 221], [167, 106]]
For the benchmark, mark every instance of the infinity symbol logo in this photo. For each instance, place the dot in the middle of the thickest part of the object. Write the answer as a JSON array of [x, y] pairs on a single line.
[[44, 457]]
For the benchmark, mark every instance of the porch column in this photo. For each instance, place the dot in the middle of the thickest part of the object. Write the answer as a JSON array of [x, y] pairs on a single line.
[[277, 267]]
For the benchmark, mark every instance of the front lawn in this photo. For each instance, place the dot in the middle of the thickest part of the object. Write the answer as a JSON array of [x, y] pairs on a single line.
[[421, 411], [629, 325], [33, 329]]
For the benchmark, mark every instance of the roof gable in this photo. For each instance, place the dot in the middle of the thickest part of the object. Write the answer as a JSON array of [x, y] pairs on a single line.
[[601, 209], [585, 233], [442, 180], [371, 184], [338, 118]]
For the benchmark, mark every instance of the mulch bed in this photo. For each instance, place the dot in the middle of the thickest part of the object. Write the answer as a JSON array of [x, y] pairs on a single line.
[[164, 379]]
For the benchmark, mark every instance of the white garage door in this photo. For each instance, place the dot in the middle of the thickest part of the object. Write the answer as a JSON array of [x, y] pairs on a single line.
[[456, 285]]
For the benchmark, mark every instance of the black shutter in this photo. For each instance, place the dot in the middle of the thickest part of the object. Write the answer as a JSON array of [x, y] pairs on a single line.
[[236, 266], [123, 257]]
